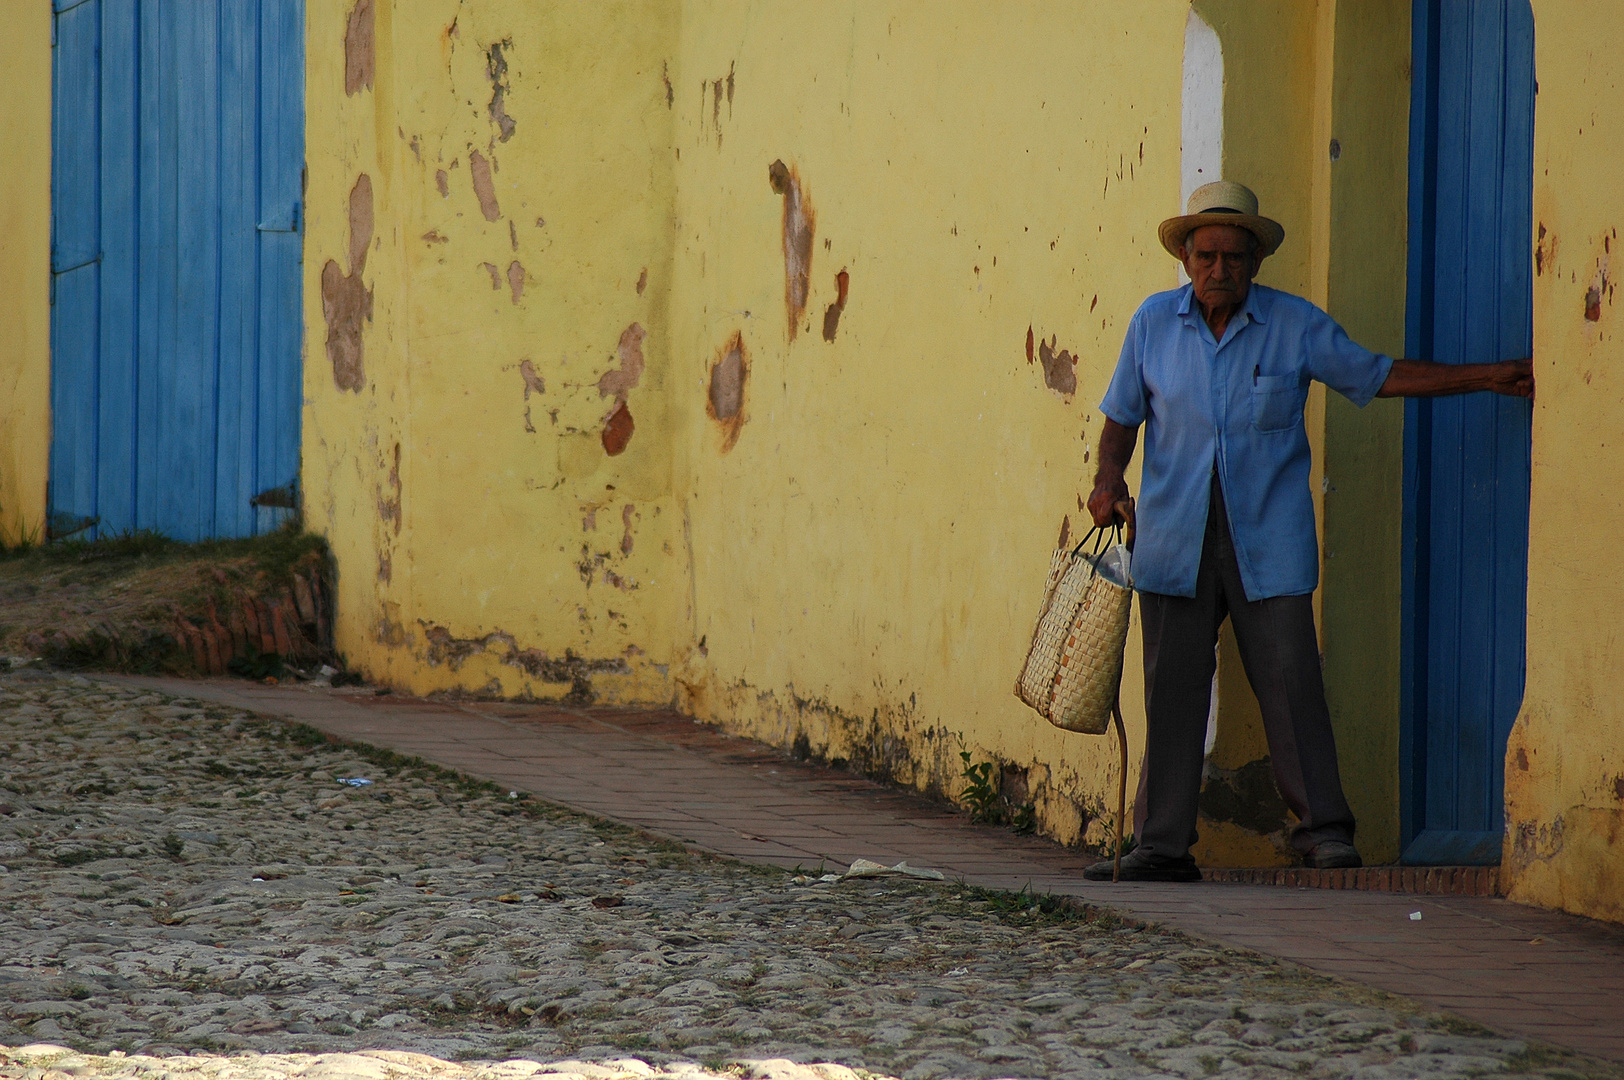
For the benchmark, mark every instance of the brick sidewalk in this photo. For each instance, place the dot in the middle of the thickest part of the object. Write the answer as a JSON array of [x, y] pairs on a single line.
[[1535, 973]]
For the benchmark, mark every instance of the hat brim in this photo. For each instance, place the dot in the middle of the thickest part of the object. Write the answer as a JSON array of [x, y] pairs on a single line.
[[1174, 231]]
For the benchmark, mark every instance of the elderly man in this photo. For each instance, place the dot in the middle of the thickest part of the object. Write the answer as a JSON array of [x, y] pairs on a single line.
[[1217, 372]]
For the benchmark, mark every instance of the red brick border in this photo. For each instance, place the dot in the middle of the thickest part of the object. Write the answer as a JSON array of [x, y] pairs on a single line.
[[293, 623], [1421, 880]]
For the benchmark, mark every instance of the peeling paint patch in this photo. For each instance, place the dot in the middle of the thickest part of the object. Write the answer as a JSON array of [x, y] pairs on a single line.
[[389, 505], [346, 302], [515, 278], [496, 69], [626, 540], [617, 430], [1593, 304], [1065, 531], [1030, 355], [725, 401], [433, 237], [670, 91], [799, 224], [443, 183], [642, 281], [1059, 368], [619, 382], [831, 315], [359, 49], [513, 234], [532, 381], [479, 170], [496, 275]]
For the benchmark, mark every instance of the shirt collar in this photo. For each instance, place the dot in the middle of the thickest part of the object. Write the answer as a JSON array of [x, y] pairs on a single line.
[[1256, 307]]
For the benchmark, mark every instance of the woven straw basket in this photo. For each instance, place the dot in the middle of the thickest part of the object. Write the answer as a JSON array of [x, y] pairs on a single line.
[[1074, 667]]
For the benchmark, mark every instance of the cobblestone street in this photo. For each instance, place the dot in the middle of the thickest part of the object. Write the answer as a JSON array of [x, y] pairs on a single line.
[[188, 879]]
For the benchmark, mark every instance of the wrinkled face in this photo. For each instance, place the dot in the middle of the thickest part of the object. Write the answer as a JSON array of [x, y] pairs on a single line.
[[1221, 261]]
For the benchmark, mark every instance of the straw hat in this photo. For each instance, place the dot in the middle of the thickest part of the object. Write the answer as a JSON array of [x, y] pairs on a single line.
[[1222, 202]]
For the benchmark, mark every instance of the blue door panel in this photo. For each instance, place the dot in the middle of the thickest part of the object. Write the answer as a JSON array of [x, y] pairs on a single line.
[[76, 266], [1466, 458], [238, 96], [281, 214], [176, 367], [117, 395]]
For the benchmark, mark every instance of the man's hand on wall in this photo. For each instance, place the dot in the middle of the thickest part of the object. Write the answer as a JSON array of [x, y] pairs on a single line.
[[1514, 378]]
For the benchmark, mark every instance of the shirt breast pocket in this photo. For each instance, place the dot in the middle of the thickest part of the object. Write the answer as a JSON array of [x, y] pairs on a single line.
[[1277, 402]]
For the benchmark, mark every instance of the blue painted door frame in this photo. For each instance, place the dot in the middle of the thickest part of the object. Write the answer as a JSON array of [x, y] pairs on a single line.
[[178, 154], [1466, 459]]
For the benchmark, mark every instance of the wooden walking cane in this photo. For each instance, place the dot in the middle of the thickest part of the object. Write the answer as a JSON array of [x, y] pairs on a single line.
[[1124, 509], [1122, 783]]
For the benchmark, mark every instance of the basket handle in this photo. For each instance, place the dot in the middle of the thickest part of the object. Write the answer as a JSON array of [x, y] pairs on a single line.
[[1100, 546]]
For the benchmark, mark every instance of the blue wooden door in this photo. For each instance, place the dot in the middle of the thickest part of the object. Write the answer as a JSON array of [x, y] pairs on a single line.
[[1466, 458], [178, 156]]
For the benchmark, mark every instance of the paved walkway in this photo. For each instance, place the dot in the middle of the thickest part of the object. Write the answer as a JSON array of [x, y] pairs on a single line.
[[1525, 971]]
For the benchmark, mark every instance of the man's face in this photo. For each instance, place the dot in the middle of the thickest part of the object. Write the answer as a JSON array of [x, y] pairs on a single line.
[[1221, 261]]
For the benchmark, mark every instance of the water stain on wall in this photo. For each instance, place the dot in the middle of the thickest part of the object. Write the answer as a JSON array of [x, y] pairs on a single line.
[[346, 301], [799, 224], [1246, 796], [831, 315], [479, 170], [358, 48], [444, 648], [725, 401], [496, 68]]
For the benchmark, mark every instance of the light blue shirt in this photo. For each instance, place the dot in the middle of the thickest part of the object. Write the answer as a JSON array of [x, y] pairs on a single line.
[[1234, 406]]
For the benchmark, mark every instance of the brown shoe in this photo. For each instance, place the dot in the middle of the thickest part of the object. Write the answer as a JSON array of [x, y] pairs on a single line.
[[1334, 855], [1137, 866]]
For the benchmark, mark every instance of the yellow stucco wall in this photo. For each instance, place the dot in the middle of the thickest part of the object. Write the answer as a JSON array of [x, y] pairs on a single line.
[[1362, 467], [869, 553], [519, 162], [25, 272], [1565, 762]]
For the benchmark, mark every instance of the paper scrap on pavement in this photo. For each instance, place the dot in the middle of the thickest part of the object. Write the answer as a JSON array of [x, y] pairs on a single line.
[[862, 868]]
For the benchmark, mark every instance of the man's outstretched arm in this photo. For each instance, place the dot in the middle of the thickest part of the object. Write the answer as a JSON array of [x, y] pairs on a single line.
[[1424, 378], [1109, 500]]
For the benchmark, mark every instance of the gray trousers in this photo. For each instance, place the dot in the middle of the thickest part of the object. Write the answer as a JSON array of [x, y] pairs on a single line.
[[1280, 652]]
